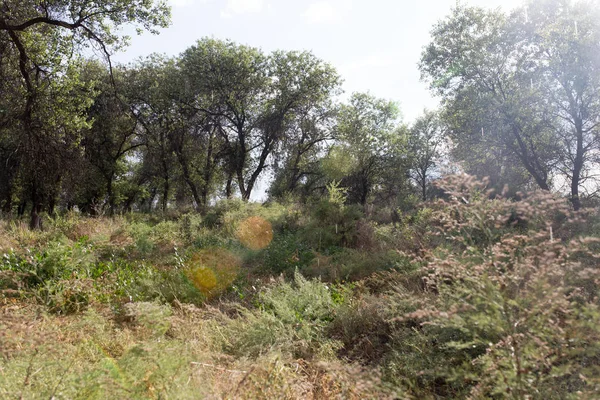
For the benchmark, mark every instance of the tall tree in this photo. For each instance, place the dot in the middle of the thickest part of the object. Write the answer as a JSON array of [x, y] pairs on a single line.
[[43, 41], [151, 103], [298, 167], [114, 132], [564, 49], [367, 133], [425, 144], [525, 84], [253, 98], [476, 66]]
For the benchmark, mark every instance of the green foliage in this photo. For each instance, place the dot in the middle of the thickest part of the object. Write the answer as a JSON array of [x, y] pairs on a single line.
[[286, 253], [518, 129], [332, 223], [67, 279], [507, 301], [58, 261], [369, 153], [290, 318], [475, 295], [347, 265]]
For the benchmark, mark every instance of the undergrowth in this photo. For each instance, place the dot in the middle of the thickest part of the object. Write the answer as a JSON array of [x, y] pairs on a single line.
[[474, 295]]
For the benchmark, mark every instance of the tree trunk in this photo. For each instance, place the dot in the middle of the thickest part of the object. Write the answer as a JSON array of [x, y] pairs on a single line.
[[35, 222], [523, 154], [21, 208], [187, 177], [165, 194], [51, 206], [228, 186], [241, 185], [111, 196], [365, 188], [7, 205], [208, 173], [153, 193], [577, 167], [165, 172]]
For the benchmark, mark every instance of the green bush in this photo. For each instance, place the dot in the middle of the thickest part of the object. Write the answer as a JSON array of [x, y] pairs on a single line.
[[227, 214], [515, 311], [352, 265], [286, 253], [332, 225], [289, 318], [57, 261], [65, 297], [141, 235]]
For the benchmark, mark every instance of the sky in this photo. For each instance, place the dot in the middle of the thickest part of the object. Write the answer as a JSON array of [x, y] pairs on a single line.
[[375, 45]]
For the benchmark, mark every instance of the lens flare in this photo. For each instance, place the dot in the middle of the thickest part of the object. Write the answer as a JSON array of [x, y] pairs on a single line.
[[213, 270], [255, 233]]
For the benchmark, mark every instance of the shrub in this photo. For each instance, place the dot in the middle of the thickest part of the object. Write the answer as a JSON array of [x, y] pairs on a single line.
[[352, 265], [362, 325], [57, 261], [289, 318], [515, 309], [227, 214], [332, 225], [285, 254], [65, 297]]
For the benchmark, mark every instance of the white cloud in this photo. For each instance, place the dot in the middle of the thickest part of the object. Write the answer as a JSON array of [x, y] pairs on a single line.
[[326, 12], [234, 7]]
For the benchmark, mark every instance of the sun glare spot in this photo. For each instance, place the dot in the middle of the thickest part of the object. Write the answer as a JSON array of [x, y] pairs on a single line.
[[255, 233], [213, 270]]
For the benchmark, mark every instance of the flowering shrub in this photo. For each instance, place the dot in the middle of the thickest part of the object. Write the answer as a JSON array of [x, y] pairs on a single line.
[[515, 307]]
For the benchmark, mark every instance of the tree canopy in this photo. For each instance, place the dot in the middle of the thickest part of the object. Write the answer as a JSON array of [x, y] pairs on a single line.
[[523, 85]]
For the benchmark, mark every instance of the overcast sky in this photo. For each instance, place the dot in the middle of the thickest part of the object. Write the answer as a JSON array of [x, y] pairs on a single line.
[[375, 45]]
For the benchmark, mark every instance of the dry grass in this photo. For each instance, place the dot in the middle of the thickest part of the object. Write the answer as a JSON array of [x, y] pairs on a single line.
[[423, 309], [103, 355]]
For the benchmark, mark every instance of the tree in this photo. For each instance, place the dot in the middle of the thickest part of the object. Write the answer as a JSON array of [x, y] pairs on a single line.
[[10, 108], [40, 44], [152, 105], [368, 142], [74, 23], [46, 35], [253, 98], [298, 170], [478, 69], [564, 40], [425, 143], [524, 85], [114, 132], [47, 140]]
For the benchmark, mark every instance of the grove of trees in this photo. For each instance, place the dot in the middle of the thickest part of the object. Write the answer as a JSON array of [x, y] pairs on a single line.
[[520, 98], [520, 91]]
